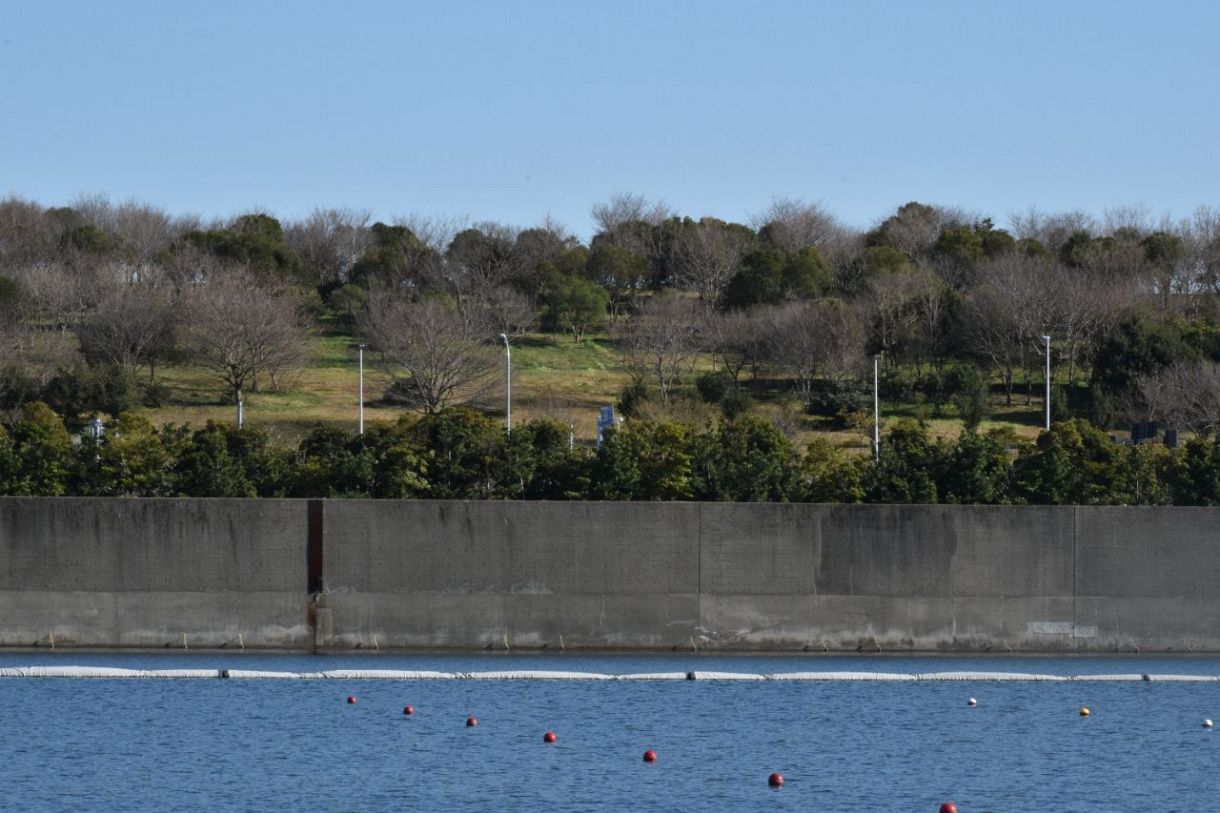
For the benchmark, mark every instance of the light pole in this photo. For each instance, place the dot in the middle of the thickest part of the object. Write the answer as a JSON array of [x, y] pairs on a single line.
[[508, 376], [1047, 339], [241, 411], [876, 408], [361, 349]]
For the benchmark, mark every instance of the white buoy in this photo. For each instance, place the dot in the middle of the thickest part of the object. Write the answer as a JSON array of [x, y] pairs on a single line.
[[1208, 724], [972, 702]]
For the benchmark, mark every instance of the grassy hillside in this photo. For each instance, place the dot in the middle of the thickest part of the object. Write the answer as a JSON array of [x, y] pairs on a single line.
[[553, 377]]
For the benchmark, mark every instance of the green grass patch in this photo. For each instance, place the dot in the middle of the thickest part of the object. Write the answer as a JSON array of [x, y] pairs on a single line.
[[553, 377]]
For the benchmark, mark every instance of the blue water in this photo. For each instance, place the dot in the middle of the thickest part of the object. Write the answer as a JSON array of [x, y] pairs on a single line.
[[145, 745]]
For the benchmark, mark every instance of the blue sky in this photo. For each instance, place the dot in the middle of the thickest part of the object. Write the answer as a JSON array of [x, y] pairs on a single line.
[[512, 111]]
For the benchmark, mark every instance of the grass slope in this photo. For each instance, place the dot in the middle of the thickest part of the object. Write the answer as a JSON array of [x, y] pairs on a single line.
[[553, 377]]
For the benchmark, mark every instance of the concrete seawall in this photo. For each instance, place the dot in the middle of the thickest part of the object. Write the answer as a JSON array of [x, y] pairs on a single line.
[[378, 574]]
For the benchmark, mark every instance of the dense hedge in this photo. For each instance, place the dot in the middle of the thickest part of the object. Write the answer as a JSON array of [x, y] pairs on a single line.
[[461, 454]]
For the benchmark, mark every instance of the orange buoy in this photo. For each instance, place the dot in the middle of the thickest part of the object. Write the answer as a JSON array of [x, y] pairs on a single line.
[[650, 755], [948, 807], [549, 737]]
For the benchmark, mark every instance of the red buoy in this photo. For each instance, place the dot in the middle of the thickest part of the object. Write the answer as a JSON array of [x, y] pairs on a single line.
[[408, 709], [351, 699], [948, 807], [549, 737], [776, 780], [471, 722], [650, 755]]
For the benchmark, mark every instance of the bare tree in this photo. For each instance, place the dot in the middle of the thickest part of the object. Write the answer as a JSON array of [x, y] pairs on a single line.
[[481, 259], [1185, 395], [132, 326], [789, 225], [631, 223], [1007, 313], [16, 333], [705, 257], [625, 208], [330, 242], [1083, 304], [60, 295], [27, 235], [913, 229], [931, 307], [1200, 235], [1134, 220], [142, 230], [661, 341], [809, 339], [434, 231], [504, 310], [1118, 262], [891, 302], [843, 355], [737, 338], [239, 331], [184, 268], [546, 242], [446, 354], [1051, 230]]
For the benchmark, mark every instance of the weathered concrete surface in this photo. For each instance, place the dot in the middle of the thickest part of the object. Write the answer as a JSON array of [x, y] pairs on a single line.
[[609, 575], [1149, 577], [114, 572], [883, 577], [497, 574]]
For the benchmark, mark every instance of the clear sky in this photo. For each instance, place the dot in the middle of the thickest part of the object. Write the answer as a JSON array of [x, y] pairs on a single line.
[[511, 111]]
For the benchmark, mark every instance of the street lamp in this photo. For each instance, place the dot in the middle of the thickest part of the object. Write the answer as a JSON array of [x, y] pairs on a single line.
[[361, 347], [508, 375], [1047, 339], [876, 409]]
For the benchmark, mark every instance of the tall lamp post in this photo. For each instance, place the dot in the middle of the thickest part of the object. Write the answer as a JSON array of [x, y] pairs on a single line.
[[1047, 339], [361, 349], [508, 376], [876, 408]]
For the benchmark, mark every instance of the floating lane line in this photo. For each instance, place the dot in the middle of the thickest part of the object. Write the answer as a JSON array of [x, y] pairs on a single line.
[[878, 676], [990, 676], [116, 673]]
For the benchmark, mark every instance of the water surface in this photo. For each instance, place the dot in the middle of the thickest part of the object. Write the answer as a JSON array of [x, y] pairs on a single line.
[[144, 745]]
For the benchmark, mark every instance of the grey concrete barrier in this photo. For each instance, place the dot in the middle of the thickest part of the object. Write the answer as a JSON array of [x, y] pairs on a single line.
[[333, 575]]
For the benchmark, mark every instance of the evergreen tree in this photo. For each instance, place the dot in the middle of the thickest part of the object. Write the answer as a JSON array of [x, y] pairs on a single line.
[[905, 471]]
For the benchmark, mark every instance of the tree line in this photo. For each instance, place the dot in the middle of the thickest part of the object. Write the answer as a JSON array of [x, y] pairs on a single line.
[[95, 297], [458, 453]]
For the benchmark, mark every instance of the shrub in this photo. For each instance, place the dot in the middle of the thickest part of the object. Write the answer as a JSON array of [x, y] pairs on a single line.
[[837, 400], [715, 386]]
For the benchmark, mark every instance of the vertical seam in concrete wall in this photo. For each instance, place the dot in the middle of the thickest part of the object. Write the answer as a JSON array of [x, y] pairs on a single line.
[[314, 552], [1075, 583], [699, 565]]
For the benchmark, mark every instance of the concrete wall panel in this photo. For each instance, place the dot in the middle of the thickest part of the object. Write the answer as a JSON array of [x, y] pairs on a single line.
[[150, 545], [381, 546], [940, 550], [151, 573], [1155, 552]]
